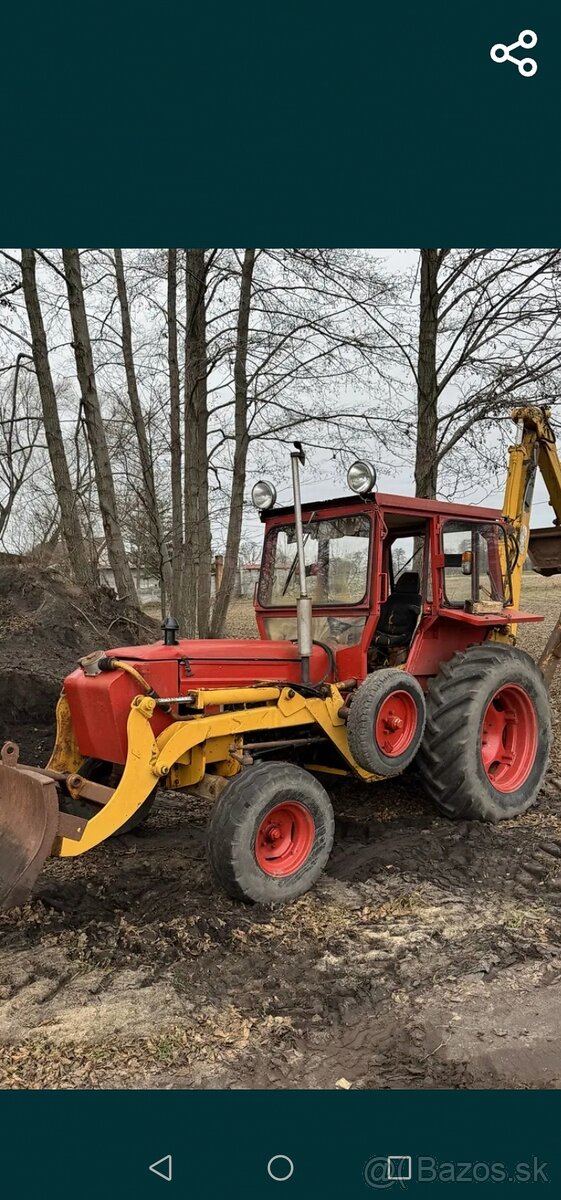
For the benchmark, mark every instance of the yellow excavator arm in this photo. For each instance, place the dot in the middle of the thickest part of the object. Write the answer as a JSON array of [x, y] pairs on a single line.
[[535, 450]]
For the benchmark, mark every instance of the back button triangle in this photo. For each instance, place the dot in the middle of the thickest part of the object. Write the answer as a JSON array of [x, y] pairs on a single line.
[[163, 1168]]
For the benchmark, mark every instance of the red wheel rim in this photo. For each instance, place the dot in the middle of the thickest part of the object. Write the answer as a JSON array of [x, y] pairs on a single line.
[[396, 724], [284, 839], [509, 738]]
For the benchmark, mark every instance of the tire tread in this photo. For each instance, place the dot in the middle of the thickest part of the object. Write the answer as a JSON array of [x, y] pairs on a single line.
[[454, 701]]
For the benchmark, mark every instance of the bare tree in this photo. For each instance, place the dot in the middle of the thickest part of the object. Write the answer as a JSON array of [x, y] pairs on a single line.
[[19, 431], [426, 459], [197, 534], [241, 446], [94, 423], [175, 432], [149, 496], [80, 563], [488, 332]]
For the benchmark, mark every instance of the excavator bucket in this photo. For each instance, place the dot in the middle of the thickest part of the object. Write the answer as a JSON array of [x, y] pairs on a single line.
[[29, 818], [545, 550]]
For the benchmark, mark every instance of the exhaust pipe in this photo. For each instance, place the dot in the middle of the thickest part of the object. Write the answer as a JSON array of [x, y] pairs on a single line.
[[304, 603]]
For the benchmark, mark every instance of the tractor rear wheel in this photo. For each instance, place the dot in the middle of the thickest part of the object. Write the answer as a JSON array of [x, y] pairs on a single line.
[[488, 734], [386, 722], [270, 833]]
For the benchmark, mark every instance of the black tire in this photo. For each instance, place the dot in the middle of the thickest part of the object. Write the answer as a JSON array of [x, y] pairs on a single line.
[[456, 736], [239, 815], [101, 772], [369, 750]]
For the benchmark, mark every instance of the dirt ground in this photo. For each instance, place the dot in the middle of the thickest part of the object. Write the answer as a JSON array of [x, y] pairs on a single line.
[[429, 955]]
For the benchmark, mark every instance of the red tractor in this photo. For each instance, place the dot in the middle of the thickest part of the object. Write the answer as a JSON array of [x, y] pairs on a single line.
[[386, 634]]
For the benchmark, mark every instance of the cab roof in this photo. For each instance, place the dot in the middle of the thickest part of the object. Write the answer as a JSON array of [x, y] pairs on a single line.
[[407, 505]]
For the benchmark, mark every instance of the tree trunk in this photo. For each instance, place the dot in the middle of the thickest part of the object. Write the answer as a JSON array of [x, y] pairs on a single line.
[[235, 519], [426, 466], [149, 496], [124, 582], [175, 436], [197, 540], [82, 568]]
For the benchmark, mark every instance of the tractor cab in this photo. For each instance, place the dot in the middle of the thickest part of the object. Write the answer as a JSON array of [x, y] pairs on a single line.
[[392, 580]]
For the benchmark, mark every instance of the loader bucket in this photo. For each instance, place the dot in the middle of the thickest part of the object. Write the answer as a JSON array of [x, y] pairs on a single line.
[[28, 827], [545, 550]]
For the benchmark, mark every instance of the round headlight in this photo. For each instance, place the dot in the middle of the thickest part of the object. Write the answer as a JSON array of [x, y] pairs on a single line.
[[361, 477], [263, 495]]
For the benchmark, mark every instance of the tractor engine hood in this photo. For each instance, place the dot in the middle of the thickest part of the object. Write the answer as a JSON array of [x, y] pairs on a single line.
[[100, 704]]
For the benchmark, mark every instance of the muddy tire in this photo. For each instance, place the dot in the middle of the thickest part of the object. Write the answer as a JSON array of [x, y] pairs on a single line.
[[386, 722], [488, 734], [270, 833]]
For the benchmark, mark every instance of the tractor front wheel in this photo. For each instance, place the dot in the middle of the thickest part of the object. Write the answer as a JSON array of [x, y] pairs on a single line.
[[386, 722], [270, 833], [488, 734]]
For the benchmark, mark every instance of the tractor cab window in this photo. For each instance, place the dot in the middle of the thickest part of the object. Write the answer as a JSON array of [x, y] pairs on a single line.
[[472, 565], [406, 554], [336, 552]]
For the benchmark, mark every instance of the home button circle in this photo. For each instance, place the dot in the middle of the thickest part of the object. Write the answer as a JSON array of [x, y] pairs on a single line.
[[280, 1168]]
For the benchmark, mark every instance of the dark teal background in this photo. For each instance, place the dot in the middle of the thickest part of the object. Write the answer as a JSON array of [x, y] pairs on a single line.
[[303, 123], [91, 1144], [353, 124]]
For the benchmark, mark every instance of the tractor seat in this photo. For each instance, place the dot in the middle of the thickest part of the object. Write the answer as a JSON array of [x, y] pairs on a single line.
[[399, 614]]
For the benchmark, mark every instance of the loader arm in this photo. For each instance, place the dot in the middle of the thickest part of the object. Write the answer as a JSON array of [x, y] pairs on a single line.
[[535, 450]]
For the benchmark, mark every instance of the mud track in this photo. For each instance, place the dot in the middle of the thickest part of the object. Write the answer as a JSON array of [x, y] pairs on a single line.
[[428, 956]]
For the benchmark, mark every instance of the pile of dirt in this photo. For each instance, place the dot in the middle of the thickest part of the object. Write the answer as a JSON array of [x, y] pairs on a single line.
[[46, 624]]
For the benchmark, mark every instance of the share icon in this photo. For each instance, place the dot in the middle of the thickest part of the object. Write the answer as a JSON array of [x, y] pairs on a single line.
[[526, 41]]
